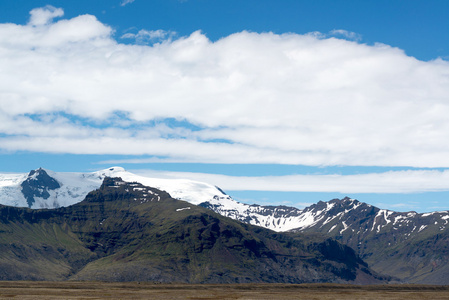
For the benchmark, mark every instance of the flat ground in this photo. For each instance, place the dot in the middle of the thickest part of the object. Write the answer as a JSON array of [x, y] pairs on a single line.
[[135, 290]]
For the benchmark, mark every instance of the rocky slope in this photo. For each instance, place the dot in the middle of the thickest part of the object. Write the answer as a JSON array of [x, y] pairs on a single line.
[[408, 245]]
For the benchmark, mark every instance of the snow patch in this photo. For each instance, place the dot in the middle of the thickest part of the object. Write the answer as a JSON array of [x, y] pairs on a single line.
[[345, 227], [181, 209], [422, 228]]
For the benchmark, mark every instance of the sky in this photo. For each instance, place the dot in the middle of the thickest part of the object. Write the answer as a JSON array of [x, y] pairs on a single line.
[[276, 102]]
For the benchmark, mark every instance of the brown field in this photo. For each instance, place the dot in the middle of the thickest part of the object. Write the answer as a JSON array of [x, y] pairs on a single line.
[[135, 290]]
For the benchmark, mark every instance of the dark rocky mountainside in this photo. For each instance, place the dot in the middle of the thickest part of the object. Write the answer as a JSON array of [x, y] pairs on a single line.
[[410, 246], [129, 232]]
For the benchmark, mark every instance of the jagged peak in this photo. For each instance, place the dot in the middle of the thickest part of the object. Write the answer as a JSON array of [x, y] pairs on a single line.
[[37, 171], [346, 201], [40, 173], [38, 184]]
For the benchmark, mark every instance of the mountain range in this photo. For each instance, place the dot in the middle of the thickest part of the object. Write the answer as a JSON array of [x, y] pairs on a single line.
[[34, 191], [125, 231], [408, 246]]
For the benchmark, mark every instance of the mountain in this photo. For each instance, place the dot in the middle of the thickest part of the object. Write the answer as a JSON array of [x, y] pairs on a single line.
[[407, 245], [23, 190], [38, 185], [47, 189], [125, 231]]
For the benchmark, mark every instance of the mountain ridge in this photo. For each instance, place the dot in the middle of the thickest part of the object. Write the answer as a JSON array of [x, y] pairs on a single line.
[[408, 245]]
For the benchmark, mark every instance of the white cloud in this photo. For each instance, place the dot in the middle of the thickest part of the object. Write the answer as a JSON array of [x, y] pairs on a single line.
[[125, 2], [411, 181], [290, 98], [44, 15], [346, 34]]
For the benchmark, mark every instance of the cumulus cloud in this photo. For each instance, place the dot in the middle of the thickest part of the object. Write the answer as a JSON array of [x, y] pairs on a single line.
[[68, 86], [410, 181], [43, 16]]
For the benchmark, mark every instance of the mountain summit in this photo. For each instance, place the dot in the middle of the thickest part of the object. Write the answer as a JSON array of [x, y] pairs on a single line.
[[38, 185]]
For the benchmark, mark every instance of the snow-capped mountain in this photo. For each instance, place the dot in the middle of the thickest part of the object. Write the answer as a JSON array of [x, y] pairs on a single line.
[[338, 216], [47, 189], [126, 231], [410, 246], [279, 218]]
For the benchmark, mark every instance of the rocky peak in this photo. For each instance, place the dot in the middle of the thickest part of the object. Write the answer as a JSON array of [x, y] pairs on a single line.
[[38, 184], [133, 193]]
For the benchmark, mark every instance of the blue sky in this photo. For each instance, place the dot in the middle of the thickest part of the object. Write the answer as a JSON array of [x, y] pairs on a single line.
[[276, 102]]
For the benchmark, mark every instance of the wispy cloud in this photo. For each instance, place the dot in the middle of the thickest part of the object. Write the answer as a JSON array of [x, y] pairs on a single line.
[[149, 36], [346, 34], [126, 2], [68, 86]]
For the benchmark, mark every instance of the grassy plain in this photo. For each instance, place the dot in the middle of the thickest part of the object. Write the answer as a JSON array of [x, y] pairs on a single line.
[[135, 290]]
